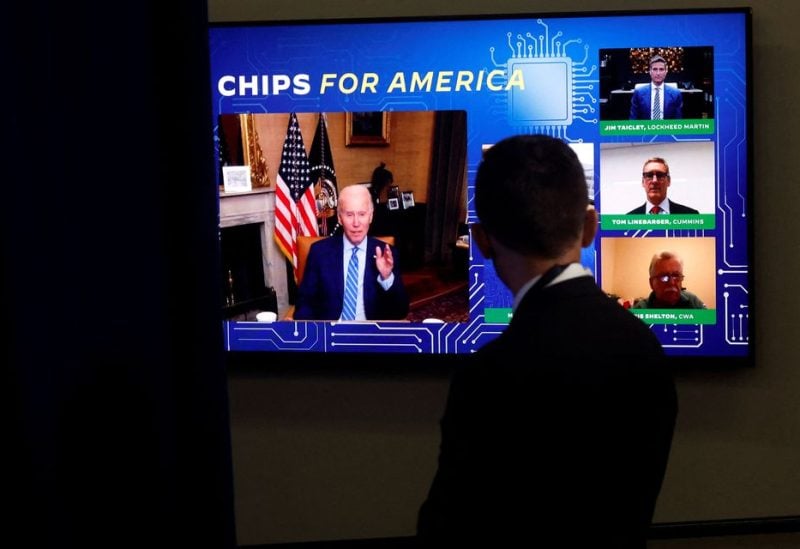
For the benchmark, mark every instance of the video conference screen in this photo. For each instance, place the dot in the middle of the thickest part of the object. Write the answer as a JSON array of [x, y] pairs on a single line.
[[399, 113]]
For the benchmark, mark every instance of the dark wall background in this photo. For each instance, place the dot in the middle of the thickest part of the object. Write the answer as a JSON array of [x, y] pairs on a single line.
[[113, 386], [350, 455]]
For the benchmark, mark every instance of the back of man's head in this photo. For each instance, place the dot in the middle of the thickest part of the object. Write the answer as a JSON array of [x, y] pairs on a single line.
[[531, 195]]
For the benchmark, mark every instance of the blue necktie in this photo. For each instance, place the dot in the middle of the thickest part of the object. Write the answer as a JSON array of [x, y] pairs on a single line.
[[657, 104], [351, 288]]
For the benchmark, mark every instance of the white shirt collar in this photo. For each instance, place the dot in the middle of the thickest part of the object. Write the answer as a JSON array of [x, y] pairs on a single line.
[[664, 206], [573, 270], [348, 246]]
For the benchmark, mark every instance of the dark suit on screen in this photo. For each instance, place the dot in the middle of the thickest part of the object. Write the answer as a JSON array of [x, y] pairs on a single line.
[[556, 433], [641, 104], [321, 292], [674, 208]]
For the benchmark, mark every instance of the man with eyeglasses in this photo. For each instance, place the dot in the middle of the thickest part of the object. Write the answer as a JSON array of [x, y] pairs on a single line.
[[666, 281], [655, 182]]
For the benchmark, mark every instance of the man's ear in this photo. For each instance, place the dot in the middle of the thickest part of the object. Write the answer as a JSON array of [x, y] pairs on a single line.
[[589, 226], [482, 240]]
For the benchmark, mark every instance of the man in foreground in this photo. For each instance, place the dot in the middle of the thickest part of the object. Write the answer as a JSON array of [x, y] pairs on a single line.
[[557, 433]]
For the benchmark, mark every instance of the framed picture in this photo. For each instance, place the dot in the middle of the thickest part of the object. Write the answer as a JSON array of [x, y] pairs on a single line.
[[408, 199], [366, 129], [240, 146], [394, 204], [236, 179]]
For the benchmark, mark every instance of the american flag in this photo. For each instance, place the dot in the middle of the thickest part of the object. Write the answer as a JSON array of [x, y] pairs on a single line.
[[295, 208]]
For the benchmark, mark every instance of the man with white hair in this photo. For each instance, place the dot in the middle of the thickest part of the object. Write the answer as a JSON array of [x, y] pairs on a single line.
[[666, 281], [352, 276]]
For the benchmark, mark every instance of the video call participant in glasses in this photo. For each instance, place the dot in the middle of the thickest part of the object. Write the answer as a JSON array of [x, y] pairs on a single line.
[[655, 182], [666, 281], [656, 100], [377, 291], [566, 418]]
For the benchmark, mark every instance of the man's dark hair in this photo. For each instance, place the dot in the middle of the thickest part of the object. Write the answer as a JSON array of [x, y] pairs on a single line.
[[657, 59], [531, 194]]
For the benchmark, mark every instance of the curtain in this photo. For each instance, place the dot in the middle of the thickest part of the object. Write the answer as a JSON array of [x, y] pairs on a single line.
[[445, 207]]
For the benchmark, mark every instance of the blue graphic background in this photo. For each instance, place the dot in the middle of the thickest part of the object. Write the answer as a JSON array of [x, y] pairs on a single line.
[[559, 58]]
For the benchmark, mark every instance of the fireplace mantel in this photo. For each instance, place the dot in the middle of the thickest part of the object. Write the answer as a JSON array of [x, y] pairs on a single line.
[[258, 206]]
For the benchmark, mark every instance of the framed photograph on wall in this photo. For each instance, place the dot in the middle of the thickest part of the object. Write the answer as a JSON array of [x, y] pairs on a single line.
[[367, 129], [393, 204], [408, 199]]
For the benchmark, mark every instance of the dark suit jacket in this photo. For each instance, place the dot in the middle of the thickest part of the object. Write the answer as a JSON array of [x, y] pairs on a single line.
[[640, 103], [674, 208], [321, 293], [557, 432]]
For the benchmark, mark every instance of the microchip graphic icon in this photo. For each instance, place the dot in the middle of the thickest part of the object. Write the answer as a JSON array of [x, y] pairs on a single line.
[[547, 97]]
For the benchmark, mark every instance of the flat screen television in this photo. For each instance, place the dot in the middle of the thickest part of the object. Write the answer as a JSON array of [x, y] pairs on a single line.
[[406, 107]]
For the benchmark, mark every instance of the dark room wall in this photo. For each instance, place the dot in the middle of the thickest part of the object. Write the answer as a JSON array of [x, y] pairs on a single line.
[[350, 456], [116, 430]]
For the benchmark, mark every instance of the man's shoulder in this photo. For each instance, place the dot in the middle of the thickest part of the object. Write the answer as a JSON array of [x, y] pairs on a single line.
[[579, 338], [328, 243], [596, 323], [694, 301], [637, 210], [642, 90], [676, 208]]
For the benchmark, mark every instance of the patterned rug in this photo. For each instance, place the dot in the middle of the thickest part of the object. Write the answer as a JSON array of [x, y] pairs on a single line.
[[451, 305]]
